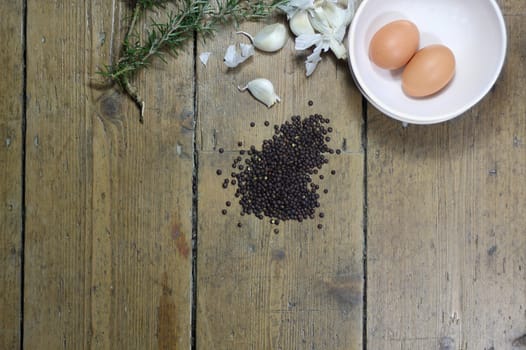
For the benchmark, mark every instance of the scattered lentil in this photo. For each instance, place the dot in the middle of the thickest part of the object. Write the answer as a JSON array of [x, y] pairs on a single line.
[[223, 211], [221, 150], [310, 103], [252, 124], [219, 171], [274, 183], [276, 180]]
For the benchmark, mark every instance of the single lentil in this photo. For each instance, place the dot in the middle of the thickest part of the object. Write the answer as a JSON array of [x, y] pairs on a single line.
[[221, 150], [219, 171]]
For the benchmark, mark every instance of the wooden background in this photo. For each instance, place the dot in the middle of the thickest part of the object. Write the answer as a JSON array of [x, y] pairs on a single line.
[[111, 235]]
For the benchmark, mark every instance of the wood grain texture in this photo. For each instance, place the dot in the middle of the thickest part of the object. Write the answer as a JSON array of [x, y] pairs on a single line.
[[11, 157], [301, 288], [446, 233], [108, 242]]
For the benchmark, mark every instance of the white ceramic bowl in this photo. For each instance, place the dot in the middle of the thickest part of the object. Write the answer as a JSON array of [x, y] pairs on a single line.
[[473, 29]]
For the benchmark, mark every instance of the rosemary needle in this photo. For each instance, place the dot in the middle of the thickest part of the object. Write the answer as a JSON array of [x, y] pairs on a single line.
[[189, 17]]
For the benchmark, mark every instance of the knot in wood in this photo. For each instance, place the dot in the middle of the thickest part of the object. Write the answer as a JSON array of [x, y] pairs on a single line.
[[110, 106]]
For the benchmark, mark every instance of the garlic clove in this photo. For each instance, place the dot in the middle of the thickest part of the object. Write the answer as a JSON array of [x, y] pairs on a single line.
[[262, 90], [338, 49], [335, 15], [300, 24], [269, 39]]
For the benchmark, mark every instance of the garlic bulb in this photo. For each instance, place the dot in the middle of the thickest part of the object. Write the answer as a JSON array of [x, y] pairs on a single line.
[[262, 90], [300, 24], [270, 39]]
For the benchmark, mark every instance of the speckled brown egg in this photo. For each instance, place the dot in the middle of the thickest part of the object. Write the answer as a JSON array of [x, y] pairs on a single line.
[[429, 71], [393, 45]]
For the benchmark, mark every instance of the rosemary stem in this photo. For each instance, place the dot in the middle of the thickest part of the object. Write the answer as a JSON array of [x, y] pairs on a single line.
[[129, 89], [158, 45], [136, 12]]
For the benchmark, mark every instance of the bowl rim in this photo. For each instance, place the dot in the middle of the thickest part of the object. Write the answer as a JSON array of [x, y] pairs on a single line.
[[404, 117]]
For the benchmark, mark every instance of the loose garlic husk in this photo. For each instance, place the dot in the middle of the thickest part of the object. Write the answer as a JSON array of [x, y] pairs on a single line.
[[262, 90], [270, 39], [300, 24]]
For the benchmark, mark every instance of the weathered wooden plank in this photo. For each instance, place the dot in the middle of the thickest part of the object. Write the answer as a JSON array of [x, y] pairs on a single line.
[[11, 158], [301, 288], [446, 238], [108, 245]]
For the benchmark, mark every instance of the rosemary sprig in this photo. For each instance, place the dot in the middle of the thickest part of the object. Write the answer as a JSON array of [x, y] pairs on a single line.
[[189, 17]]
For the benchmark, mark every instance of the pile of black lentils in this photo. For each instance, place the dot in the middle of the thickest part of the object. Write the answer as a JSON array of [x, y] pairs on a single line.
[[279, 181]]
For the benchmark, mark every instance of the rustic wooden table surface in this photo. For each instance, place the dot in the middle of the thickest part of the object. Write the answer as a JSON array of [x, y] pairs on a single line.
[[111, 235]]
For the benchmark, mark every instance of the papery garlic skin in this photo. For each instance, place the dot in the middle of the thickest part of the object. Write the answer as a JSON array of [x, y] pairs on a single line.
[[292, 7], [329, 19], [262, 90], [269, 39], [300, 24], [203, 57], [232, 58]]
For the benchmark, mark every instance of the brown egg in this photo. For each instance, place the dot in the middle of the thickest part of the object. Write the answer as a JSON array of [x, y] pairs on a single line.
[[430, 69], [393, 45]]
